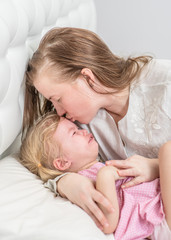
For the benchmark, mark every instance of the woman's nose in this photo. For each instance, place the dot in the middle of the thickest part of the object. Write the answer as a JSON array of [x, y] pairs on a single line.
[[60, 110]]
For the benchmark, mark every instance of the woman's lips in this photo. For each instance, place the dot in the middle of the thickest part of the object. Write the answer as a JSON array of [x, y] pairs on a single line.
[[71, 119]]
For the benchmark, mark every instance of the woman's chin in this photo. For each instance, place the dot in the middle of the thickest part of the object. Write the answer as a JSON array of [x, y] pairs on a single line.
[[84, 120]]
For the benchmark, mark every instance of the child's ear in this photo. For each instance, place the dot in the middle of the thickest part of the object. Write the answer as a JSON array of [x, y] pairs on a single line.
[[61, 164]]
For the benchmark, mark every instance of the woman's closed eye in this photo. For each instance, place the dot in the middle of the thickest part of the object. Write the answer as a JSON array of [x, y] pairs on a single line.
[[55, 101], [58, 100]]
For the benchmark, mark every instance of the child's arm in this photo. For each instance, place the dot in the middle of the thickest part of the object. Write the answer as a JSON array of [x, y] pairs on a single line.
[[105, 183]]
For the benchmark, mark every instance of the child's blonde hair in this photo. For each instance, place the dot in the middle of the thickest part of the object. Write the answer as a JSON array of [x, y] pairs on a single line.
[[38, 151]]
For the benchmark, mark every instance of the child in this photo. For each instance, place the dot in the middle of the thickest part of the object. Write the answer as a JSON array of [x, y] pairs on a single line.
[[56, 145]]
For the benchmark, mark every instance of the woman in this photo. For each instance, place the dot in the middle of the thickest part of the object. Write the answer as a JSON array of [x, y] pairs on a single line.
[[125, 103]]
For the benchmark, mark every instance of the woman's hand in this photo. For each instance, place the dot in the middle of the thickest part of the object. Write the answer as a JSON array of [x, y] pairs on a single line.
[[81, 191], [141, 168]]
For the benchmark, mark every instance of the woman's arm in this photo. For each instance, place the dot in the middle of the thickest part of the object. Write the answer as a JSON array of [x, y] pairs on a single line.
[[81, 191], [165, 179], [105, 183], [141, 168]]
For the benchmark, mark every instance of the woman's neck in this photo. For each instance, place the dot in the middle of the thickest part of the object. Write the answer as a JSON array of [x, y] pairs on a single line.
[[117, 104]]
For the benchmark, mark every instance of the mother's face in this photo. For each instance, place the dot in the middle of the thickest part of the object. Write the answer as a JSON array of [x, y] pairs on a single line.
[[75, 99]]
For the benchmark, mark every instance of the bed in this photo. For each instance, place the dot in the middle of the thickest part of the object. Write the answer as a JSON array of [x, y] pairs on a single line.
[[28, 210]]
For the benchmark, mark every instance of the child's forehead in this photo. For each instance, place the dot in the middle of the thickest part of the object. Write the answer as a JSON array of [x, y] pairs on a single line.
[[66, 124]]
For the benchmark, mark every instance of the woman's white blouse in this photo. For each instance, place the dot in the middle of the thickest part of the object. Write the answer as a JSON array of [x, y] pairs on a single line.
[[147, 124]]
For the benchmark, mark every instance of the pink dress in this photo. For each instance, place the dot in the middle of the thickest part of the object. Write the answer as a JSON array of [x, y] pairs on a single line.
[[140, 206]]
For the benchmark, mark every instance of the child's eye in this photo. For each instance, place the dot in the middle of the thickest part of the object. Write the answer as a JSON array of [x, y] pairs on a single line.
[[74, 133]]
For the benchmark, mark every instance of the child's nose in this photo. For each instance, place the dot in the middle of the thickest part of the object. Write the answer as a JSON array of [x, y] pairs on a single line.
[[83, 132]]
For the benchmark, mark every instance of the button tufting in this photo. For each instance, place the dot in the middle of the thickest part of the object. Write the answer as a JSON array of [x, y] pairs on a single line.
[[22, 24]]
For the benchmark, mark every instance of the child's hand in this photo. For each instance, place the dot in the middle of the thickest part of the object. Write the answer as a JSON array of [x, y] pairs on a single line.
[[81, 191]]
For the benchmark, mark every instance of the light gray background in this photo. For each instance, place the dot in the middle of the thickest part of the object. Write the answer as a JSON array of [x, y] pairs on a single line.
[[135, 26]]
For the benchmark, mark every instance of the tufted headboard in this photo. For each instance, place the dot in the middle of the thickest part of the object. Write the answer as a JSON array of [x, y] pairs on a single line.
[[22, 24], [28, 210]]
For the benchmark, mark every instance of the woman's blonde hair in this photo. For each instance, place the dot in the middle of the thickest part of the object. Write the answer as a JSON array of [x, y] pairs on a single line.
[[67, 51], [38, 151]]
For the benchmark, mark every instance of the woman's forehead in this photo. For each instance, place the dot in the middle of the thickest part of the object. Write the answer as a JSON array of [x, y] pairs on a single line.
[[48, 86]]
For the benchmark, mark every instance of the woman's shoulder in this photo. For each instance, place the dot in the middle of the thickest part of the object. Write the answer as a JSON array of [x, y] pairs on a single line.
[[160, 66], [156, 72], [162, 62]]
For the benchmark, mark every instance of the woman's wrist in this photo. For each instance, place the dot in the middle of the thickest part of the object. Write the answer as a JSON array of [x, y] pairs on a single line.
[[62, 183], [156, 167]]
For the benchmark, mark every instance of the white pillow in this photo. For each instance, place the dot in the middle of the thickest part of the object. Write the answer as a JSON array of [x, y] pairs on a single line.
[[29, 211]]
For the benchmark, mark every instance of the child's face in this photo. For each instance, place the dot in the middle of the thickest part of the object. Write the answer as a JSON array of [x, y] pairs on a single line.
[[77, 145]]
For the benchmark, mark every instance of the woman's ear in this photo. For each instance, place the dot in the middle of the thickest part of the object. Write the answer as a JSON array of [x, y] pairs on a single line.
[[89, 76], [93, 81], [61, 164]]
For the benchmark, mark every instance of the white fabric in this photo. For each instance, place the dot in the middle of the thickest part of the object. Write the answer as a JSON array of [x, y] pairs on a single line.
[[28, 210], [161, 231]]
